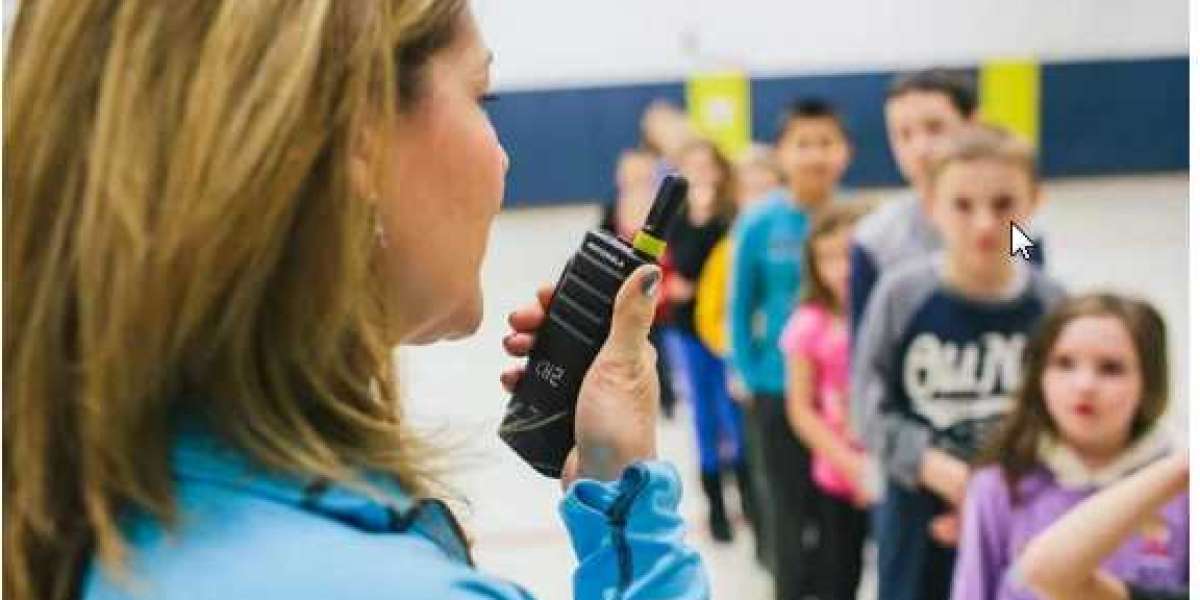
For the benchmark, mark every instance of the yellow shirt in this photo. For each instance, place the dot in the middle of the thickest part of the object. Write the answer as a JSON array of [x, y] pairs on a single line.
[[711, 291]]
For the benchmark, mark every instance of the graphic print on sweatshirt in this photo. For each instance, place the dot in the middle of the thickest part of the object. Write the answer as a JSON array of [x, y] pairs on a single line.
[[931, 358], [960, 362]]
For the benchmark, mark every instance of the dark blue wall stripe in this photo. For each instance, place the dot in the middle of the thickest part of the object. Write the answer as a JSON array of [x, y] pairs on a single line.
[[563, 144], [1097, 117], [1115, 116]]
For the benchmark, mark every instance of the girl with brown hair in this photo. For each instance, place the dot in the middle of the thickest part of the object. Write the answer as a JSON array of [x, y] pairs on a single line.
[[1085, 417], [716, 419], [816, 344]]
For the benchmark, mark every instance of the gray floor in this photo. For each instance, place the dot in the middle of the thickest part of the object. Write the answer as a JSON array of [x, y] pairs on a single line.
[[1127, 234]]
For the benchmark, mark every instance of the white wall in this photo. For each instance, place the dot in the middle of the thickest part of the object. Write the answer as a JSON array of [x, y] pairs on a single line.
[[558, 43]]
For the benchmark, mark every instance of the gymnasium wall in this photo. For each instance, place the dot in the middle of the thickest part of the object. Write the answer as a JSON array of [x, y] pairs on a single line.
[[1111, 89]]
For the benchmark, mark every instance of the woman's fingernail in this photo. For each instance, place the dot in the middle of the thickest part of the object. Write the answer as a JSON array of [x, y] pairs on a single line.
[[650, 283]]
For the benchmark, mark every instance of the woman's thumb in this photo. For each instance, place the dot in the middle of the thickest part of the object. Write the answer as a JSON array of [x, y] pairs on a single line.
[[633, 310]]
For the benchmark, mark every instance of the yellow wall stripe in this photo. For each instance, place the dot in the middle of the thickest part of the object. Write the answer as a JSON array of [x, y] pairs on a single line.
[[1010, 96], [719, 108]]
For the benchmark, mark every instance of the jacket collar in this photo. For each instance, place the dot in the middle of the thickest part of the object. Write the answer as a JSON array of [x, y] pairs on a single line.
[[1071, 472], [374, 504]]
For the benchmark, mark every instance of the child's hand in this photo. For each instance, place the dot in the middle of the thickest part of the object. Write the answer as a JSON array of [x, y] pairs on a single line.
[[679, 289], [737, 390], [944, 529], [864, 498], [869, 484], [945, 475]]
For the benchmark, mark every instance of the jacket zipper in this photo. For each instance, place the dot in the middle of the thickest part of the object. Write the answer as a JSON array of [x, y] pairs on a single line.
[[618, 520]]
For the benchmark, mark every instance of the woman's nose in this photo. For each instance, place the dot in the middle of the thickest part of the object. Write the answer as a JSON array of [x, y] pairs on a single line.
[[503, 157]]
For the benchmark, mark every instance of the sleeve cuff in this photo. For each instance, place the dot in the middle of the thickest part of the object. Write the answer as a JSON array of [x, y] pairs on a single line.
[[904, 462], [644, 499]]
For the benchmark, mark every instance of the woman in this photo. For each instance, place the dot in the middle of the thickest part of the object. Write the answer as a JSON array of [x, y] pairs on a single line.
[[219, 218]]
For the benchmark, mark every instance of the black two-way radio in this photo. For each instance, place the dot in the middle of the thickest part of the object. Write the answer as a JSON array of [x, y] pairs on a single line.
[[539, 423]]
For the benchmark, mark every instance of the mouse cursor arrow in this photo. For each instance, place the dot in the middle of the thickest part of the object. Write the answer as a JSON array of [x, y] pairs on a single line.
[[1018, 241]]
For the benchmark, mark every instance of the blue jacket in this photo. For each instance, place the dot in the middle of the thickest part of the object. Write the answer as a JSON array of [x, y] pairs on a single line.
[[766, 279], [247, 533]]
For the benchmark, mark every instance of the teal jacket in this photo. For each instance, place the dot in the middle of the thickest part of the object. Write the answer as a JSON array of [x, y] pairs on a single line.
[[247, 533], [766, 279]]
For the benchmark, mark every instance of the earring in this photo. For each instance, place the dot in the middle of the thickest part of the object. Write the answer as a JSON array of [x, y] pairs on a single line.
[[380, 236]]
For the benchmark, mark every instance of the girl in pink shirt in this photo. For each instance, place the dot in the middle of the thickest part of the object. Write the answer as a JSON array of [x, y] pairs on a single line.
[[816, 342]]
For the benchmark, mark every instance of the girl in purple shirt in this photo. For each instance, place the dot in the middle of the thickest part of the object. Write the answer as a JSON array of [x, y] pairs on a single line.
[[1085, 417]]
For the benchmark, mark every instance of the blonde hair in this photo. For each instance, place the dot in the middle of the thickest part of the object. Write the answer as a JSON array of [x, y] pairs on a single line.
[[760, 156], [984, 142], [182, 237]]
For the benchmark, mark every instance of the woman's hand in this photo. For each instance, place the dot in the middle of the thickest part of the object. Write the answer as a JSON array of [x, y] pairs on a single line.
[[617, 410], [524, 323]]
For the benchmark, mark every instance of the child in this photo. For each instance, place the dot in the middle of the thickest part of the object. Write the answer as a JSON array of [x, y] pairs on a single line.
[[817, 344], [635, 182], [703, 222], [756, 175], [1085, 418], [921, 110], [813, 151], [939, 352]]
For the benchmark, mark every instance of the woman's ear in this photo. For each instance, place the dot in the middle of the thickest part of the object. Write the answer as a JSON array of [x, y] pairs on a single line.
[[364, 156]]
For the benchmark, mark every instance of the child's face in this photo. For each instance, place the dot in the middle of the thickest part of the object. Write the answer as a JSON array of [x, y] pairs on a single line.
[[699, 167], [831, 255], [973, 204], [813, 153], [754, 181], [1092, 384], [703, 175], [635, 175], [916, 123]]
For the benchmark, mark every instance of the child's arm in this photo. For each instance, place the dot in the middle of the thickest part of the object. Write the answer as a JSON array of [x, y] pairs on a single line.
[[983, 545], [1064, 560], [809, 426], [944, 475], [899, 440], [743, 295], [863, 274]]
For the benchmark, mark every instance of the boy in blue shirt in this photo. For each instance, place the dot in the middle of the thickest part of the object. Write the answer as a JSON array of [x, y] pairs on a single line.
[[813, 151], [940, 350]]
